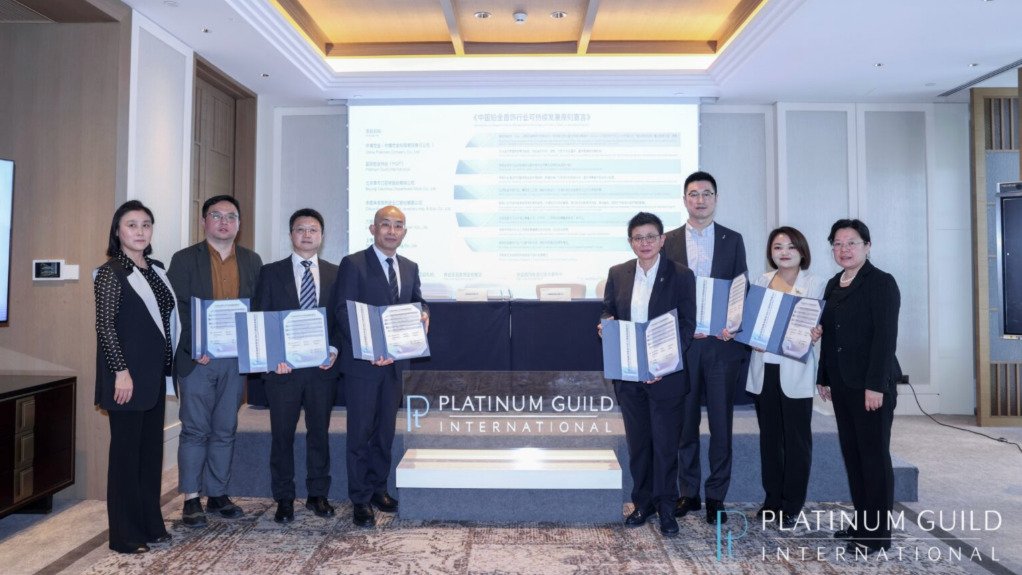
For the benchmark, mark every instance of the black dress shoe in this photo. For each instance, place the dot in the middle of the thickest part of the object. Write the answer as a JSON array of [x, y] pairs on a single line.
[[320, 506], [844, 534], [130, 548], [715, 511], [223, 505], [787, 522], [639, 517], [192, 515], [686, 504], [771, 513], [668, 525], [363, 515], [285, 511], [384, 502], [165, 538]]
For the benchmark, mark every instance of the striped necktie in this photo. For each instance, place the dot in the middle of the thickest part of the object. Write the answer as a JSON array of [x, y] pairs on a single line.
[[392, 276], [307, 298]]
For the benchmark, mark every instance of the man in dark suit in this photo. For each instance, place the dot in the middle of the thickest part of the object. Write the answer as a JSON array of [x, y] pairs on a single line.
[[716, 364], [300, 281], [640, 290], [210, 389], [376, 276]]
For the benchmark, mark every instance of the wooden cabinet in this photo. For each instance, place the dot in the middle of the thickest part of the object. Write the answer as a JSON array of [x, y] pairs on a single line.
[[37, 440]]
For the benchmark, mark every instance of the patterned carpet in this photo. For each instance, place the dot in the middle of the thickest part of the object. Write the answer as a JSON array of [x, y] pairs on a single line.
[[256, 545]]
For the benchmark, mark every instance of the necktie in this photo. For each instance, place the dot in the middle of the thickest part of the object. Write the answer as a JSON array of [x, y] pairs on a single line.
[[392, 276], [307, 298]]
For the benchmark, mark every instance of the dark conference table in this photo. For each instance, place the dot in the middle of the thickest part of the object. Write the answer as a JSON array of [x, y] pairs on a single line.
[[516, 335]]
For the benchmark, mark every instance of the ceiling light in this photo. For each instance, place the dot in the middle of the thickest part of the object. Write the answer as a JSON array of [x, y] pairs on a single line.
[[206, 30], [265, 75], [520, 17], [482, 15], [878, 65], [558, 14], [170, 3], [973, 65]]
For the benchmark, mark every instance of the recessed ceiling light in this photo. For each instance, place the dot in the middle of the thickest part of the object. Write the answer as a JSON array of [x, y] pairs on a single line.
[[930, 84], [482, 15], [206, 30], [973, 65], [265, 75], [558, 14], [170, 3], [878, 65]]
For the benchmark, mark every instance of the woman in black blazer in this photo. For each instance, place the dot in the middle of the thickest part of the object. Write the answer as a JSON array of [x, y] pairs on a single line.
[[640, 290], [136, 332], [859, 371]]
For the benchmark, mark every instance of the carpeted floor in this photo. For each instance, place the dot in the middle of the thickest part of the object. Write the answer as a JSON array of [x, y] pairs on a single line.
[[256, 545]]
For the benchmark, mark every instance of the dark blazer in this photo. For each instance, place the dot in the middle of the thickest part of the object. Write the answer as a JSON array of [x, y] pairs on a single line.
[[191, 276], [728, 251], [361, 278], [675, 288], [860, 332], [142, 343], [276, 291]]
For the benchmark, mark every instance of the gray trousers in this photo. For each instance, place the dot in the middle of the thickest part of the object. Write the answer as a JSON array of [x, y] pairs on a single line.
[[210, 399]]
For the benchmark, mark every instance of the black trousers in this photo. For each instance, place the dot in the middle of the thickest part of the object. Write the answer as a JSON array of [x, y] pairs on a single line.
[[865, 438], [713, 368], [288, 396], [785, 443], [652, 415], [133, 476], [372, 413]]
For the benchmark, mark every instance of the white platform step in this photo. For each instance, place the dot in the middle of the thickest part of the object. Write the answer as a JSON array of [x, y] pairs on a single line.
[[524, 468]]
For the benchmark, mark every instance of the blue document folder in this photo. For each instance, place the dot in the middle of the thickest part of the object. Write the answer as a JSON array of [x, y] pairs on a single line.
[[213, 329], [269, 338], [369, 337], [718, 305], [765, 328], [618, 335]]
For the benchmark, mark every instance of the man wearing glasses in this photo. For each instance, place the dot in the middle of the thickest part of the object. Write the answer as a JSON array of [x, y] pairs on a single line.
[[210, 389], [714, 364]]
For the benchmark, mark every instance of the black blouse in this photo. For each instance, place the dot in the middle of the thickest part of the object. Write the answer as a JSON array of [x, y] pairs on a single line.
[[108, 303]]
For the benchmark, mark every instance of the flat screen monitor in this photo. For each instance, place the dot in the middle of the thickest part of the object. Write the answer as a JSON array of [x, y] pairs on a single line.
[[1009, 255], [6, 213]]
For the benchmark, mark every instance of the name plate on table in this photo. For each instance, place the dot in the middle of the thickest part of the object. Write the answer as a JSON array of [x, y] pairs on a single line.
[[393, 331], [269, 338], [719, 304], [779, 322], [634, 351], [470, 294], [214, 332], [555, 294]]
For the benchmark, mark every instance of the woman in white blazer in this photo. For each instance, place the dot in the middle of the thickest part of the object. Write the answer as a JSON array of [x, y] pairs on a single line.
[[137, 327], [784, 388]]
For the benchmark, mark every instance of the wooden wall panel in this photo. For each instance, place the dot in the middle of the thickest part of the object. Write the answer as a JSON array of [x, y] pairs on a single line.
[[60, 108]]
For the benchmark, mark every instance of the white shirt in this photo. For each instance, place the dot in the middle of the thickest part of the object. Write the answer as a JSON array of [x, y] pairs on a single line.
[[642, 289], [699, 249], [386, 270], [299, 271]]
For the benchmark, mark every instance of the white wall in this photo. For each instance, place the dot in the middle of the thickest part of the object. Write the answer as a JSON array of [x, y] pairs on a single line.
[[159, 152]]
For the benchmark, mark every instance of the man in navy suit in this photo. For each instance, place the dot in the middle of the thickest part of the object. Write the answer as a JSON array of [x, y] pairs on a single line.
[[300, 281], [640, 290], [376, 276], [716, 364]]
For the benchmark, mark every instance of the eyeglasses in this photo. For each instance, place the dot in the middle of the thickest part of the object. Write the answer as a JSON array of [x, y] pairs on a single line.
[[304, 231], [838, 246], [705, 194], [231, 218], [650, 239]]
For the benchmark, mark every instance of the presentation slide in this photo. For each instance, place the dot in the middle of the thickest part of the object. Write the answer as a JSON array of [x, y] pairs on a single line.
[[509, 196], [6, 198]]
